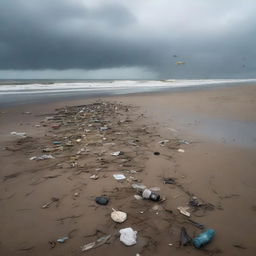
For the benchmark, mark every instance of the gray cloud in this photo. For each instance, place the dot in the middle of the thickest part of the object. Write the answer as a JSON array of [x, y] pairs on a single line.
[[214, 39]]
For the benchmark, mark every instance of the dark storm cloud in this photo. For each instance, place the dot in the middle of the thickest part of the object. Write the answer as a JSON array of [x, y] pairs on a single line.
[[213, 39]]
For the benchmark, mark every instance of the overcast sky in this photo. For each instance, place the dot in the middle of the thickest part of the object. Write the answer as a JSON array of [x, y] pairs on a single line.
[[127, 38]]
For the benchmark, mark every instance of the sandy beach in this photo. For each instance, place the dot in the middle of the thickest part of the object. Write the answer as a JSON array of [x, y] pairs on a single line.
[[203, 140]]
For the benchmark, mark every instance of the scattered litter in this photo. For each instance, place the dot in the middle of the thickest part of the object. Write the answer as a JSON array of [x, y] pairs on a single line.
[[56, 142], [27, 113], [20, 134], [184, 142], [100, 241], [185, 239], [181, 150], [169, 181], [155, 189], [183, 210], [203, 238], [94, 177], [53, 199], [119, 176], [56, 126], [78, 140], [118, 216], [102, 200], [163, 142], [52, 244], [195, 202], [63, 239], [76, 194], [198, 225], [103, 128], [148, 194], [137, 197], [138, 186], [117, 153], [42, 157], [156, 153], [128, 236]]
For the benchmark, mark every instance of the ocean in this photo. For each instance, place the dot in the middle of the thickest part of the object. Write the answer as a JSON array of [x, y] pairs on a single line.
[[16, 92]]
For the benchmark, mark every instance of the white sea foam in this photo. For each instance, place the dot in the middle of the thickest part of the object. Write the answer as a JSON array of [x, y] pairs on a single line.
[[117, 85]]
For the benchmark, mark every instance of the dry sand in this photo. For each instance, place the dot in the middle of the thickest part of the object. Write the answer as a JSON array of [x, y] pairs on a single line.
[[220, 174]]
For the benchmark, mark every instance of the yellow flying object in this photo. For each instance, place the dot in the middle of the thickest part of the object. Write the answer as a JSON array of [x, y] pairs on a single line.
[[180, 63]]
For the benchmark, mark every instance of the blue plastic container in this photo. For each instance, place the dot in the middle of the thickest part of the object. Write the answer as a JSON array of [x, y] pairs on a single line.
[[203, 238]]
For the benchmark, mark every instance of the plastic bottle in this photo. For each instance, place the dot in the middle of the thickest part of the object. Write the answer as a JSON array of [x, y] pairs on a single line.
[[203, 238]]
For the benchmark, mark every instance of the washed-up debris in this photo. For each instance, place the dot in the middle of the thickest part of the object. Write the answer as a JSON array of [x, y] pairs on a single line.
[[195, 202], [56, 126], [163, 142], [117, 153], [118, 216], [50, 149], [27, 113], [198, 225], [156, 153], [42, 157], [100, 241], [184, 142], [102, 200], [19, 134], [181, 150], [94, 177], [128, 236], [56, 142], [203, 238], [53, 199], [169, 181], [185, 239], [137, 197], [63, 239], [119, 176], [139, 187], [155, 189], [151, 195], [183, 210], [52, 244], [78, 140], [103, 128]]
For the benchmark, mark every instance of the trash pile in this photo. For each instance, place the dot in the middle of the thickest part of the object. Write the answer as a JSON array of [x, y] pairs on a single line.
[[106, 140]]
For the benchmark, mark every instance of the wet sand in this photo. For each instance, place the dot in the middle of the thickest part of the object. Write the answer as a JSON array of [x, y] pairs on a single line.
[[218, 171]]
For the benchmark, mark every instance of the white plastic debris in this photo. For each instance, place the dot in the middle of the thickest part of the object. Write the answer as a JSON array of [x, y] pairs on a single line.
[[184, 210], [94, 177], [100, 241], [163, 142], [181, 150], [20, 134], [128, 236], [63, 239], [146, 193], [42, 157], [103, 128], [119, 176], [138, 186], [118, 216], [117, 153], [137, 197]]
